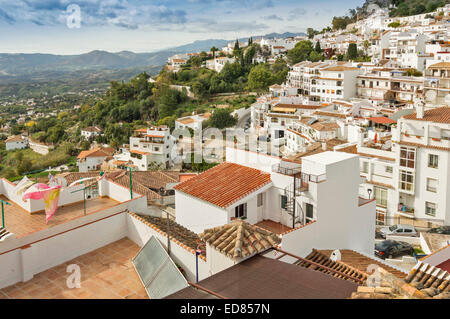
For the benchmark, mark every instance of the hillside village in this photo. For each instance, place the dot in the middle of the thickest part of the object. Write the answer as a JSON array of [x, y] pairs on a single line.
[[310, 184]]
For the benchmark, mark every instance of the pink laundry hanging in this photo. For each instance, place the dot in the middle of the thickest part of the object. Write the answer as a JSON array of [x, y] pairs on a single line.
[[50, 195]]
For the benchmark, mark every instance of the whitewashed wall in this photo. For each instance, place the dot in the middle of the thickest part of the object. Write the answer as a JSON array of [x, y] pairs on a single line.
[[140, 233]]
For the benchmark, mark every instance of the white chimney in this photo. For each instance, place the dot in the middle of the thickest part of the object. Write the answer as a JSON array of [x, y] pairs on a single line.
[[360, 138], [420, 111], [324, 146]]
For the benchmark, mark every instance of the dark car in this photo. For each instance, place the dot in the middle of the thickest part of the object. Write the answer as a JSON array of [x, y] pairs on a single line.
[[391, 249], [444, 230]]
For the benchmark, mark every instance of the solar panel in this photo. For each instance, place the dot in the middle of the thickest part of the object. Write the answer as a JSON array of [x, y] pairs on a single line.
[[312, 121], [158, 273]]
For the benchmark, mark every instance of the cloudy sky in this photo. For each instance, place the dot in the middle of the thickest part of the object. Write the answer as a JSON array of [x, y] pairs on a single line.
[[53, 26]]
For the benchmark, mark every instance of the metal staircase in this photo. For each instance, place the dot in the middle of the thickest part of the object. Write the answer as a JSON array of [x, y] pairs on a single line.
[[293, 208]]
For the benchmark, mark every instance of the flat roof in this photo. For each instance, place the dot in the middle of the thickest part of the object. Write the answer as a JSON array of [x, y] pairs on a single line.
[[329, 157], [22, 223], [265, 278], [106, 273]]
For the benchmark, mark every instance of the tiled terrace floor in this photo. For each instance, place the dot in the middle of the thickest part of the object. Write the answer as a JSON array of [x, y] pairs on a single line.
[[21, 223], [106, 273], [272, 226]]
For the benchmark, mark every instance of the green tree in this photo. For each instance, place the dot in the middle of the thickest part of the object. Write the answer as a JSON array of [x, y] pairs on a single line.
[[317, 48], [214, 50], [314, 56], [352, 52], [300, 52], [260, 78], [221, 118]]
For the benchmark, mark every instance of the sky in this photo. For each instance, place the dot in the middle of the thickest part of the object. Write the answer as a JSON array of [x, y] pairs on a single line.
[[80, 26]]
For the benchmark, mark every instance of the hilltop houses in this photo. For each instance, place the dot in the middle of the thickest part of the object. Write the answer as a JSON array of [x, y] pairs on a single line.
[[16, 143]]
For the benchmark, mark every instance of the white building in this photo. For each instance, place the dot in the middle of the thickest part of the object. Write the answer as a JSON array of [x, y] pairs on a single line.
[[151, 146], [324, 81], [91, 132], [91, 160], [326, 195], [16, 143], [408, 174], [218, 63], [194, 121]]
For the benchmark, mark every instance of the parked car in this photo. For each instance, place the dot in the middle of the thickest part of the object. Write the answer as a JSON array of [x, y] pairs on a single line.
[[444, 230], [392, 248], [399, 230]]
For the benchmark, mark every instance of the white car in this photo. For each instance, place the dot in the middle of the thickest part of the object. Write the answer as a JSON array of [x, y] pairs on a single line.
[[399, 230]]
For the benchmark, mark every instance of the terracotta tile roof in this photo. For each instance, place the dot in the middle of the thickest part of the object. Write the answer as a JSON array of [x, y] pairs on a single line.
[[330, 114], [340, 68], [14, 138], [437, 115], [123, 180], [225, 184], [300, 106], [177, 232], [352, 149], [441, 148], [186, 121], [239, 239], [74, 176], [318, 257], [139, 152], [440, 65], [423, 281], [381, 120], [92, 129], [325, 126], [96, 152], [361, 262]]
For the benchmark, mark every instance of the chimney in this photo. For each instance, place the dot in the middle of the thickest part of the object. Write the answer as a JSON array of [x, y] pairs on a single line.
[[324, 146], [360, 139], [420, 111]]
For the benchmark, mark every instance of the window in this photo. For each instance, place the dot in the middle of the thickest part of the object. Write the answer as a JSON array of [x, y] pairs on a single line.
[[260, 199], [433, 161], [240, 211], [406, 181], [309, 211], [431, 185], [156, 149], [365, 167], [283, 202], [430, 209], [407, 157], [388, 169], [380, 196]]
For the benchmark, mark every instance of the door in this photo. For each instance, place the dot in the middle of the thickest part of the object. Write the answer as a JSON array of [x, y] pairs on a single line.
[[309, 212]]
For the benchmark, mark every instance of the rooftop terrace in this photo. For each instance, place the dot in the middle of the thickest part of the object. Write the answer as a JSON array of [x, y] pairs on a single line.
[[106, 273], [21, 223]]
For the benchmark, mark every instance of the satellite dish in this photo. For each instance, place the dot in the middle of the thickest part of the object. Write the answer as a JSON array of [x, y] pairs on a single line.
[[335, 255], [447, 99], [431, 95]]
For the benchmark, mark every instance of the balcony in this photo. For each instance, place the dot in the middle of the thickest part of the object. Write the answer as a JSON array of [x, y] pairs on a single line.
[[297, 170], [405, 211]]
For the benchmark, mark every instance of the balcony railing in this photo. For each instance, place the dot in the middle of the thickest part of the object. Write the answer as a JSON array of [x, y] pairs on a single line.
[[291, 171]]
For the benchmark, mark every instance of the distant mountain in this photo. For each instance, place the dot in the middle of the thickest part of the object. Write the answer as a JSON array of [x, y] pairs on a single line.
[[21, 64], [201, 45], [16, 65]]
